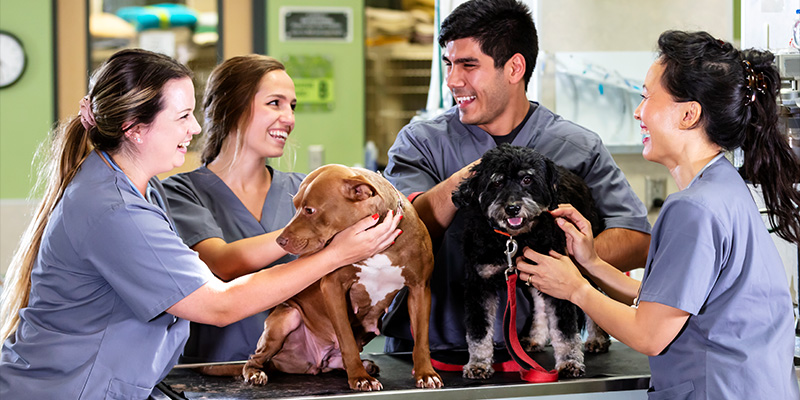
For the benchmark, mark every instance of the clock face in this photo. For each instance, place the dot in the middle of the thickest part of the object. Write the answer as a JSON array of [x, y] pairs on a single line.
[[12, 59]]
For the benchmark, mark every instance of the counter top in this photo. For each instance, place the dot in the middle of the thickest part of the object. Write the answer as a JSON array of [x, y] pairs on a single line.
[[620, 369]]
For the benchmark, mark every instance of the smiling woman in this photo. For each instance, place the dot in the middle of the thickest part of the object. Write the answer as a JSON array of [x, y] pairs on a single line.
[[101, 288]]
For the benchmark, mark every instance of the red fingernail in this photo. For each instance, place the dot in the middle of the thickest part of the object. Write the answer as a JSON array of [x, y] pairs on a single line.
[[375, 216], [401, 218]]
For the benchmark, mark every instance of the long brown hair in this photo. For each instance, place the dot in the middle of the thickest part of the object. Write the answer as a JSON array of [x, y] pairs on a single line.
[[123, 92], [737, 91], [228, 98]]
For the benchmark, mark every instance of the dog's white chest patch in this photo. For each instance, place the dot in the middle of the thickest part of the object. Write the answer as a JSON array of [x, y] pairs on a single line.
[[380, 277]]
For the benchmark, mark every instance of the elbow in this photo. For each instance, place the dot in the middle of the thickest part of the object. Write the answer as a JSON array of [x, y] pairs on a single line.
[[651, 348]]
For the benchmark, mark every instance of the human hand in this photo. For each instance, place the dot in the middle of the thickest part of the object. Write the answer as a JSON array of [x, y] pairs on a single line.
[[553, 274], [578, 230], [365, 239]]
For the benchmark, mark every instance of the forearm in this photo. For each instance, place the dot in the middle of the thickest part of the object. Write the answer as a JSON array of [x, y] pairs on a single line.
[[221, 303], [617, 319], [232, 260], [623, 248], [648, 329], [613, 282]]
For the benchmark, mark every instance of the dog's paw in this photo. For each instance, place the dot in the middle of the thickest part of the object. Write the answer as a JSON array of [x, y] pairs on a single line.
[[255, 377], [371, 367], [364, 384], [530, 345], [429, 381], [571, 369], [478, 371], [597, 345]]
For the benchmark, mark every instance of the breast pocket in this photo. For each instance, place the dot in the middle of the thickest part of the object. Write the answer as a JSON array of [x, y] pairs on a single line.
[[684, 391], [119, 390]]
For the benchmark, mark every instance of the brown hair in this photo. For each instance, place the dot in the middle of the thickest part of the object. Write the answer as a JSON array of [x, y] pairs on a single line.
[[123, 92], [228, 99], [737, 91]]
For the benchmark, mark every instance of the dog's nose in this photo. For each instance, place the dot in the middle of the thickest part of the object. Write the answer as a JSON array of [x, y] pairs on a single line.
[[282, 241], [512, 210]]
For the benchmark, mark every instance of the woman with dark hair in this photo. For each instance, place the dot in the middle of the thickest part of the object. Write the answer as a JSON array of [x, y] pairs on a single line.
[[100, 290], [713, 310], [231, 209]]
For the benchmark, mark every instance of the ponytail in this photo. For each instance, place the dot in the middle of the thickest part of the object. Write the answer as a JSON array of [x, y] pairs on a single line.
[[68, 149], [769, 161], [737, 91]]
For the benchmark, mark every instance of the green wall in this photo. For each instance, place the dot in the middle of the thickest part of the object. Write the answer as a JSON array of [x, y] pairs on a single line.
[[341, 130], [27, 107]]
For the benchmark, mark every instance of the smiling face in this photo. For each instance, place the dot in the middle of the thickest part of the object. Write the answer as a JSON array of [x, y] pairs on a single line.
[[659, 115], [164, 141], [480, 90], [272, 115]]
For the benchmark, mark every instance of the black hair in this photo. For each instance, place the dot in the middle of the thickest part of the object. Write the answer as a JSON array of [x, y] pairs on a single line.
[[501, 27], [737, 92]]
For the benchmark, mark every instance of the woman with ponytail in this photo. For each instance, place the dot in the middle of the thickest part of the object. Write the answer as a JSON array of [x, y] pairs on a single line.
[[713, 311], [101, 290]]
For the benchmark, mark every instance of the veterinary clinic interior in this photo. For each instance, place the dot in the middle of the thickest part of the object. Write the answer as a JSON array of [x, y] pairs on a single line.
[[363, 70]]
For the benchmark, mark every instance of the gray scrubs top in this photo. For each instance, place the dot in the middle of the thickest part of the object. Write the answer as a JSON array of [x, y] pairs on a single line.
[[428, 152], [711, 256], [108, 267], [203, 206]]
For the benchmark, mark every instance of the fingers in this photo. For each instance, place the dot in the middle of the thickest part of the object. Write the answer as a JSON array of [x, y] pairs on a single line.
[[570, 213]]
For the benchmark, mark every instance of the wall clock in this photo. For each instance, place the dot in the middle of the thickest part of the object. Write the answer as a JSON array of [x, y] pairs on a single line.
[[12, 59]]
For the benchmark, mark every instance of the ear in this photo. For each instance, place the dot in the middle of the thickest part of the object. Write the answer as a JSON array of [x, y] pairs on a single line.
[[690, 114], [462, 196], [358, 189], [553, 176], [515, 68]]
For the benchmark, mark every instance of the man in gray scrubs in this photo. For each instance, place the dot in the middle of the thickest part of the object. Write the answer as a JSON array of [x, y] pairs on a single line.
[[490, 49]]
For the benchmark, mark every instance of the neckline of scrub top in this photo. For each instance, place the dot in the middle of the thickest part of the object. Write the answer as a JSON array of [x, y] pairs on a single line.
[[152, 195], [700, 173]]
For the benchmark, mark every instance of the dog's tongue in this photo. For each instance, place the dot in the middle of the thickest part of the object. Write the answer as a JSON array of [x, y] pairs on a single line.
[[514, 221]]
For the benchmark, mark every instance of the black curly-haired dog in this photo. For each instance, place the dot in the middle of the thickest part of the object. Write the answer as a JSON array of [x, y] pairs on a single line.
[[511, 190]]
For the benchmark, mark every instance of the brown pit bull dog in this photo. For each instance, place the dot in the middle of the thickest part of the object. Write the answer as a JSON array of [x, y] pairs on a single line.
[[326, 326]]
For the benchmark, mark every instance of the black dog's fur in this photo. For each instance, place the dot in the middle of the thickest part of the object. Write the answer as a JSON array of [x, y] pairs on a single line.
[[510, 183]]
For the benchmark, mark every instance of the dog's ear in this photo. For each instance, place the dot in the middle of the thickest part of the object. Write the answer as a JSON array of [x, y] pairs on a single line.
[[468, 190], [553, 177], [463, 194], [358, 188]]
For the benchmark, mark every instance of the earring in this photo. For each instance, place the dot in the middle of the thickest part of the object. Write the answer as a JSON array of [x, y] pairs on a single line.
[[138, 140]]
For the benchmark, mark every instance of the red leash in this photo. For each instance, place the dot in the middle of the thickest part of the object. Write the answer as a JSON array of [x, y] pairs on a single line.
[[529, 370]]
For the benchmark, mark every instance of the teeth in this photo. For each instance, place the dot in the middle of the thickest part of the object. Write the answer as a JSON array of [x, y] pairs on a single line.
[[464, 98], [279, 134], [185, 144]]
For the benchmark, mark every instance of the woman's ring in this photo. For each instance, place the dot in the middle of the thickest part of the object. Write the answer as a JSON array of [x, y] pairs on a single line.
[[528, 282]]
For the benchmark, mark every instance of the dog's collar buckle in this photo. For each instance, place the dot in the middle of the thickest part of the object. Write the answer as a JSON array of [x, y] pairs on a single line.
[[510, 252]]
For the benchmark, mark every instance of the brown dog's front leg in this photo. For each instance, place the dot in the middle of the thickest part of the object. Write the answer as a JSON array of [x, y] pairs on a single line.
[[334, 290], [419, 309]]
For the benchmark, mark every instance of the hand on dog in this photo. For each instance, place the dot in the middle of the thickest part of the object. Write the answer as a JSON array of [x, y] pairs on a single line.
[[553, 274], [365, 239], [578, 230]]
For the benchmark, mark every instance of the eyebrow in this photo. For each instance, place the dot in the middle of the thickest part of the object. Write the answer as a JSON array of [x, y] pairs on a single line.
[[462, 60]]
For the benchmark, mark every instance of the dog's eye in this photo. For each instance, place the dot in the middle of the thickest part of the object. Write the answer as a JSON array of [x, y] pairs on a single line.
[[526, 180], [309, 210], [497, 184]]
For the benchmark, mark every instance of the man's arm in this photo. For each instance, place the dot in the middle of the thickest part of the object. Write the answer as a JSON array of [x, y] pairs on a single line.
[[625, 249], [435, 206]]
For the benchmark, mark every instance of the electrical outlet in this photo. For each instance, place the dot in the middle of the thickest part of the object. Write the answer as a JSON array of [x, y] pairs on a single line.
[[655, 192]]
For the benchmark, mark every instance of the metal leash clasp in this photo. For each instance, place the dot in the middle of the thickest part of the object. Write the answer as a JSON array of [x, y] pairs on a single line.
[[511, 250]]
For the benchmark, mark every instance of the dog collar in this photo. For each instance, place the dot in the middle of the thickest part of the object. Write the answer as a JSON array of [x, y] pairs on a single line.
[[502, 233]]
